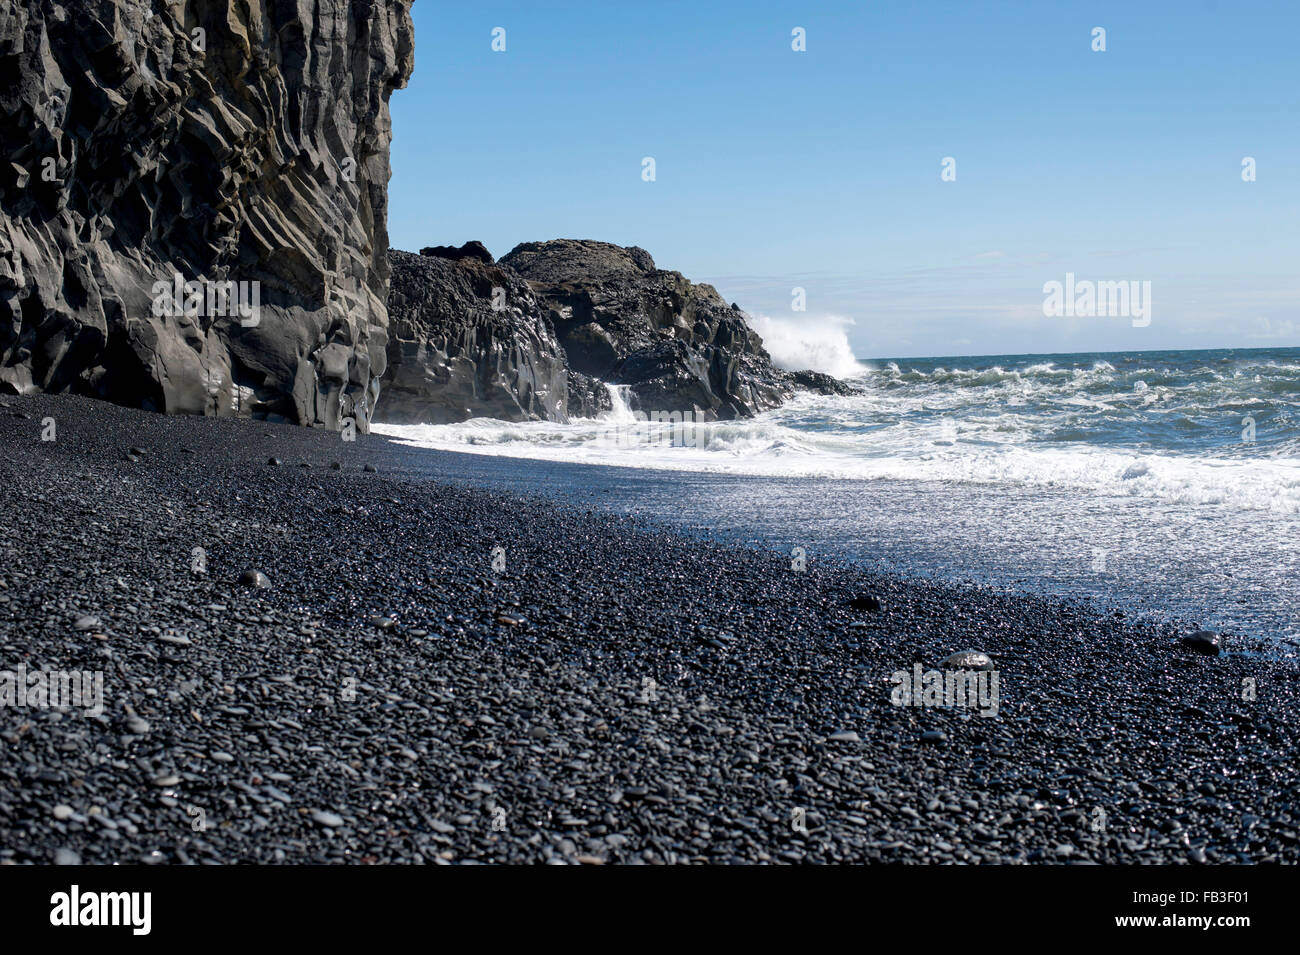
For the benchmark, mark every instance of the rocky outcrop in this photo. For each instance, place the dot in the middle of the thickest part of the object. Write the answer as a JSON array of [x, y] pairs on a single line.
[[820, 382], [467, 338], [540, 333], [148, 144], [675, 343]]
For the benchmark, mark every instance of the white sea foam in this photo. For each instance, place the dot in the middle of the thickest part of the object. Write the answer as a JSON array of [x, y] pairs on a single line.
[[1152, 430], [809, 342], [764, 447]]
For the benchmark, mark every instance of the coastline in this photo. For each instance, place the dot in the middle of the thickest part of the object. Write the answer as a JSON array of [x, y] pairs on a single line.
[[503, 716]]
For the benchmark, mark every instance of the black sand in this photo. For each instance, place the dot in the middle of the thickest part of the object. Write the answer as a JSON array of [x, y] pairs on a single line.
[[509, 716]]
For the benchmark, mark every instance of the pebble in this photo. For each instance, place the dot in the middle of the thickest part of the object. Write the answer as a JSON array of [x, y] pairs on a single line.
[[1204, 641], [86, 623], [968, 660], [254, 578], [543, 719], [66, 857]]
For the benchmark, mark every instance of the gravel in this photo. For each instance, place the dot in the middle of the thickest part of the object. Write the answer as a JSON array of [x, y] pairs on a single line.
[[617, 694]]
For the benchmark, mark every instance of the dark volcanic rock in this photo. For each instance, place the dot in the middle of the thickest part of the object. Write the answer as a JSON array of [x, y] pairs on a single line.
[[254, 578], [677, 344], [588, 398], [470, 250], [669, 375], [468, 339], [135, 155], [820, 382], [1203, 641], [864, 602]]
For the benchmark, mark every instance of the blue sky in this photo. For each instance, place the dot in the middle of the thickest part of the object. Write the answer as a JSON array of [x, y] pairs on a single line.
[[821, 169]]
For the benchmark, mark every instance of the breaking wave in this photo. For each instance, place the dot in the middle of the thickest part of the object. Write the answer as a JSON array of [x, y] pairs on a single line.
[[1199, 428], [816, 343]]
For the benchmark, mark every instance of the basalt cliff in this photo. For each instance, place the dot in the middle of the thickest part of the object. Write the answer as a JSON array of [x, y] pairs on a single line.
[[185, 144]]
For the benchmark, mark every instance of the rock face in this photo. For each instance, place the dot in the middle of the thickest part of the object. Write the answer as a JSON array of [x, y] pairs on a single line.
[[149, 143], [467, 338], [588, 398], [677, 344], [540, 333]]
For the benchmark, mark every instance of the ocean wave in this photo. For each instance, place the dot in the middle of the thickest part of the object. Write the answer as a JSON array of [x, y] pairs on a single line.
[[1141, 425], [942, 455], [809, 342]]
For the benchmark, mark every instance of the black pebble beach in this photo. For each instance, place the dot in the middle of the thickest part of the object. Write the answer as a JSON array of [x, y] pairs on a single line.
[[610, 692]]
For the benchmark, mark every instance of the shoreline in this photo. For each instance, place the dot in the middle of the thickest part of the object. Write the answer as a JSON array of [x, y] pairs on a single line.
[[1158, 559], [505, 715]]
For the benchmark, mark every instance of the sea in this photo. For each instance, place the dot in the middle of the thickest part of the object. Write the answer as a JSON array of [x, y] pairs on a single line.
[[1162, 483]]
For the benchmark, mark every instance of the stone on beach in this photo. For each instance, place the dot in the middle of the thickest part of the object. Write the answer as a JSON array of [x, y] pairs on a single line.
[[254, 578], [1204, 641], [968, 660]]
